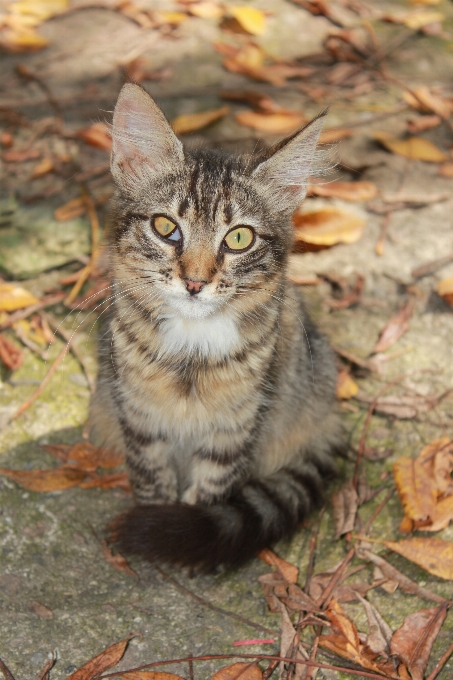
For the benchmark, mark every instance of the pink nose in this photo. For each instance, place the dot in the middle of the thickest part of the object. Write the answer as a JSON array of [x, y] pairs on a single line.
[[194, 287]]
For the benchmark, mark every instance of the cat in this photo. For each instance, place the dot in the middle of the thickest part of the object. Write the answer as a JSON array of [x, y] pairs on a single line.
[[213, 379]]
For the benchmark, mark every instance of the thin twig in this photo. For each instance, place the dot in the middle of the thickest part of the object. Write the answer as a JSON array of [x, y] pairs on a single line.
[[441, 663], [262, 657], [377, 510], [191, 675], [371, 408], [204, 602], [6, 672], [72, 348], [44, 674], [327, 594]]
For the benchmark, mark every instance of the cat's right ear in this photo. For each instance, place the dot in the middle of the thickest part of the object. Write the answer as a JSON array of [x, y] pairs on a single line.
[[143, 142]]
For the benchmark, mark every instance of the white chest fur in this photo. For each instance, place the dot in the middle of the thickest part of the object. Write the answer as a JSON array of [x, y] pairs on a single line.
[[215, 336]]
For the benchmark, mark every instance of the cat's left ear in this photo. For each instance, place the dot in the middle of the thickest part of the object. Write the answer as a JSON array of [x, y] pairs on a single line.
[[143, 142], [287, 170]]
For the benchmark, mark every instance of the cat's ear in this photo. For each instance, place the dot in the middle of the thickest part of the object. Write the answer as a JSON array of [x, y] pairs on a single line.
[[286, 170], [142, 139]]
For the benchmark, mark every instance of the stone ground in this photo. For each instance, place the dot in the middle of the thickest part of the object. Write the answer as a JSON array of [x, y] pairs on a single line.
[[57, 592]]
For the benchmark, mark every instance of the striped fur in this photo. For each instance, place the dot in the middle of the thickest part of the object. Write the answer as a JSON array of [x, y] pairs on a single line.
[[223, 401]]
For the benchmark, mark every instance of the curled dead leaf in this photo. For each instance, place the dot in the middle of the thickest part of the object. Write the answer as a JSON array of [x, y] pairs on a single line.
[[395, 327], [117, 561], [445, 290], [348, 191], [280, 122], [288, 571], [100, 663], [415, 148], [251, 19], [42, 168], [97, 135], [14, 297], [327, 227], [346, 386], [334, 135], [345, 503], [11, 356], [423, 99], [54, 479], [191, 122]]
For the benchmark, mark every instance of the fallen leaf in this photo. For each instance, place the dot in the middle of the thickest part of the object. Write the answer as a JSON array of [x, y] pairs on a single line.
[[444, 289], [206, 9], [395, 327], [412, 642], [100, 663], [345, 503], [334, 135], [327, 227], [11, 356], [249, 61], [446, 169], [380, 633], [442, 516], [85, 456], [117, 561], [423, 99], [415, 488], [422, 123], [41, 610], [415, 148], [71, 209], [288, 571], [252, 20], [115, 480], [54, 479], [41, 9], [25, 40], [432, 554], [172, 18], [14, 297], [191, 122], [280, 122], [239, 671], [97, 135], [346, 386], [43, 168], [348, 191], [404, 407], [415, 19], [260, 101], [16, 156]]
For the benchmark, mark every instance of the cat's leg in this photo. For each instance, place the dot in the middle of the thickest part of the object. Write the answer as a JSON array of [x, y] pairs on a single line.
[[215, 473], [152, 478]]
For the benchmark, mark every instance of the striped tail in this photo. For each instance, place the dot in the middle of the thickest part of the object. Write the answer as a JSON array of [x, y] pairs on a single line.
[[229, 533]]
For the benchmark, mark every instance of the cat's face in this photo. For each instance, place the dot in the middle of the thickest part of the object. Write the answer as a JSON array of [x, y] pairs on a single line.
[[197, 231]]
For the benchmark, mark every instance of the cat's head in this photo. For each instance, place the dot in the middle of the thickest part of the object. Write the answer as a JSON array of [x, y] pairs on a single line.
[[200, 228]]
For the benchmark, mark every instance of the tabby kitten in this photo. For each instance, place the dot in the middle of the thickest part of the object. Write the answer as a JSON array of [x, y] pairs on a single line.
[[213, 379]]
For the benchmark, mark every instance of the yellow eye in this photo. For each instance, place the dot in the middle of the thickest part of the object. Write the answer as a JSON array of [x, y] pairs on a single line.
[[240, 238], [164, 226]]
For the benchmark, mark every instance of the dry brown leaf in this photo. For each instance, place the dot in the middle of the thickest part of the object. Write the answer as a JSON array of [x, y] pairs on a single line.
[[288, 571], [260, 101], [206, 9], [14, 297], [415, 148], [117, 561], [43, 168], [97, 135], [41, 610], [443, 465], [346, 642], [444, 289], [346, 386], [345, 503], [100, 663], [11, 356], [404, 407], [334, 135], [85, 456], [115, 480], [239, 671], [395, 327], [55, 479], [71, 209], [415, 19], [432, 554], [280, 122], [249, 61], [415, 488], [252, 20], [422, 123], [191, 122], [348, 191], [327, 227], [172, 18], [443, 514], [22, 40], [446, 169], [378, 639], [412, 642], [423, 99]]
